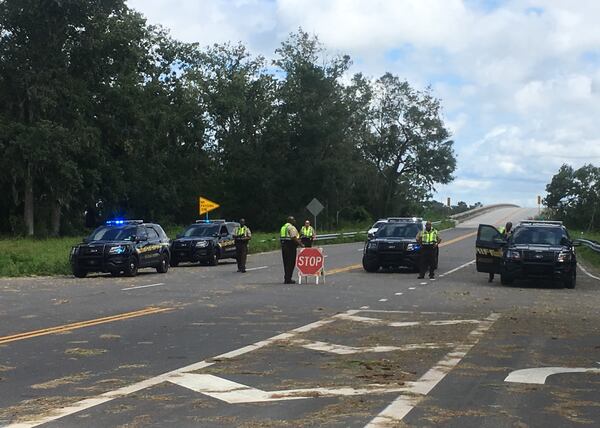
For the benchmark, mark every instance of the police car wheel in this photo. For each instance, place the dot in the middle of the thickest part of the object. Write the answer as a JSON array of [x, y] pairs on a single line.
[[79, 273], [115, 273], [570, 283], [132, 267], [163, 267]]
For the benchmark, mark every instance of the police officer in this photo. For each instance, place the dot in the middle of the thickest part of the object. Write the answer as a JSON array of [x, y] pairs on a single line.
[[241, 236], [307, 234], [289, 242], [505, 231], [429, 241]]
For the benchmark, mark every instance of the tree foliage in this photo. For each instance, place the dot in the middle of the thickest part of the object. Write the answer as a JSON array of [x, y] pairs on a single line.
[[100, 106], [574, 196]]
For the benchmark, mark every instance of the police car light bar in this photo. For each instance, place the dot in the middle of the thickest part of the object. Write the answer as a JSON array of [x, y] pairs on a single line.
[[211, 221], [120, 222], [404, 219], [542, 222]]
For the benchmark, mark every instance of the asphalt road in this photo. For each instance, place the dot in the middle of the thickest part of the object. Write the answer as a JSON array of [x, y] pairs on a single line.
[[207, 346]]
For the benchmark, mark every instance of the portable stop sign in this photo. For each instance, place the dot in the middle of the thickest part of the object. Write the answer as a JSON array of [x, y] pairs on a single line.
[[310, 262]]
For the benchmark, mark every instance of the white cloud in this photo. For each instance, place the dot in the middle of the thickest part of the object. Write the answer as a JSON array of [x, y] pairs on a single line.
[[519, 82]]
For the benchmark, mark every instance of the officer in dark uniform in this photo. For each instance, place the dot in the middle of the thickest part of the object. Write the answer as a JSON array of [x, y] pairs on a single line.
[[242, 235], [506, 231], [429, 241], [289, 242]]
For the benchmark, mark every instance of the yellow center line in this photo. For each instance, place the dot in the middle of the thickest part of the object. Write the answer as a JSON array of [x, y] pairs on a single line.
[[81, 324]]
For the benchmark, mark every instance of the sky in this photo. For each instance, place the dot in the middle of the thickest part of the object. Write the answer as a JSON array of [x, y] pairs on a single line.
[[519, 80]]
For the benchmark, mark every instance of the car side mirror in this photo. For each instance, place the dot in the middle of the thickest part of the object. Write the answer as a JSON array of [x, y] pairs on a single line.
[[179, 235], [224, 234], [85, 240], [139, 239]]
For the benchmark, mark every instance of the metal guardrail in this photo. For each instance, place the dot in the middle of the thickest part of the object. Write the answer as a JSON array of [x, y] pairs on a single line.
[[593, 245], [330, 236]]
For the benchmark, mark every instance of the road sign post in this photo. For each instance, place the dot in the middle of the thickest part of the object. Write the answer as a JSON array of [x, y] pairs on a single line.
[[310, 262]]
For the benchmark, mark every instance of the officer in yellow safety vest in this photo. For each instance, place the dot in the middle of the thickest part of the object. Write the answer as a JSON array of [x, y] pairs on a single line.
[[241, 236], [307, 234], [505, 231], [288, 236], [429, 241]]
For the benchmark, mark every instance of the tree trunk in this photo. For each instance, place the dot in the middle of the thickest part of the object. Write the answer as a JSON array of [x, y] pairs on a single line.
[[55, 218], [28, 203]]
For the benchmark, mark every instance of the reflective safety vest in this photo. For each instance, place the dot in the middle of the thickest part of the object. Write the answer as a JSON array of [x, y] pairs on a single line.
[[284, 231], [241, 231], [307, 231], [429, 238], [502, 230]]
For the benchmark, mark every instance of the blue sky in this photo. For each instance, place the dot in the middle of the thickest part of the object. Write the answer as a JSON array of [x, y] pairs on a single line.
[[519, 80]]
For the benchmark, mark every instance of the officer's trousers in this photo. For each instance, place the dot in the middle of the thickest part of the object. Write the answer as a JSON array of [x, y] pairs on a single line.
[[288, 253], [241, 254], [427, 260]]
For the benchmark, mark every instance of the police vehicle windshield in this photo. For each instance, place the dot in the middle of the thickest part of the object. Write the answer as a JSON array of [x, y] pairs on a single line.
[[537, 236], [111, 233], [398, 230], [201, 230]]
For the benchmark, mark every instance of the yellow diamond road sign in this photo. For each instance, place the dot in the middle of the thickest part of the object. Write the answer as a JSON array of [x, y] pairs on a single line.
[[206, 205]]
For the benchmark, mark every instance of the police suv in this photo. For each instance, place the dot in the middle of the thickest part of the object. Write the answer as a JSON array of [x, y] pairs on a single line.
[[122, 246], [205, 242], [535, 249], [394, 244]]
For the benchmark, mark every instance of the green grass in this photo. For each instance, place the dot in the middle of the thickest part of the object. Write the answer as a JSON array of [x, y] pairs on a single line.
[[26, 257], [40, 257], [589, 256]]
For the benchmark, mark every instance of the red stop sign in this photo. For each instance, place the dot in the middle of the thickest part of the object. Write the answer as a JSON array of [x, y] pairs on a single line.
[[309, 261]]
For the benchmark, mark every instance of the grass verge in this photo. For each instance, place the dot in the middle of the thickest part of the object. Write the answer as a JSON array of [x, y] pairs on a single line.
[[41, 257], [590, 257]]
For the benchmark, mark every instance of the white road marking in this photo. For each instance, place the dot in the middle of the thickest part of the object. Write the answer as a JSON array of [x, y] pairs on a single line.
[[364, 307], [400, 407], [256, 268], [126, 390], [236, 393], [379, 321], [398, 294], [142, 286], [587, 273], [412, 288], [348, 350], [457, 268], [422, 283], [383, 300], [539, 375]]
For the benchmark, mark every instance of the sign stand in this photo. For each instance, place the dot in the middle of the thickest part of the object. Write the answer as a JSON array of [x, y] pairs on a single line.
[[311, 263]]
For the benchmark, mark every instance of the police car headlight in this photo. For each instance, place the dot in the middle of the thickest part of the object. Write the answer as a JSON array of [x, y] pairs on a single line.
[[202, 244], [563, 256], [372, 245], [413, 247], [513, 255], [74, 251], [119, 249]]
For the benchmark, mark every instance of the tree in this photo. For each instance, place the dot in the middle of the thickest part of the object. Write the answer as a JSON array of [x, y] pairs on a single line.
[[407, 143], [574, 196]]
